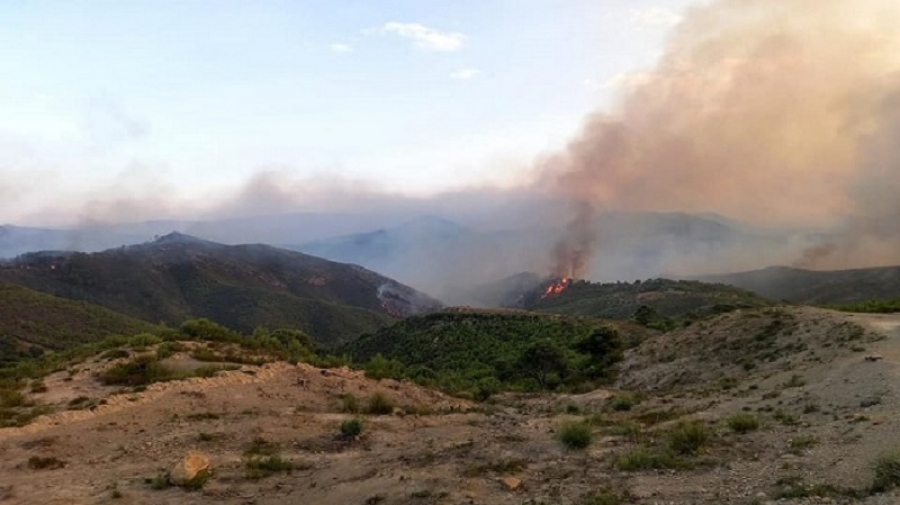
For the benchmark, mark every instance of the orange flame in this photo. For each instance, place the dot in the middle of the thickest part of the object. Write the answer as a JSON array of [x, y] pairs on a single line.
[[556, 287]]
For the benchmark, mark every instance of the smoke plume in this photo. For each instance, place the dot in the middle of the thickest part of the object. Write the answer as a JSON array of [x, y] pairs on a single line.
[[777, 112]]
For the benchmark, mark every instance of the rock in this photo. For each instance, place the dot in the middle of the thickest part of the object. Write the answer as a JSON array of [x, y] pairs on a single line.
[[193, 468], [511, 483]]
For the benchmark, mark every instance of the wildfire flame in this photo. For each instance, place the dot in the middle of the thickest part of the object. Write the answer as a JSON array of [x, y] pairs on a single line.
[[556, 287]]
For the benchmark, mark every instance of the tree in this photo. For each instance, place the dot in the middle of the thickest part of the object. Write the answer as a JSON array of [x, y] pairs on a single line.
[[543, 358], [604, 348], [645, 315]]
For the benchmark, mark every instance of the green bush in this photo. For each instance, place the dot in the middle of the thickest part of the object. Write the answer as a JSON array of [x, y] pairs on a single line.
[[159, 481], [645, 458], [352, 427], [257, 468], [688, 437], [380, 404], [887, 472], [743, 423], [261, 447], [10, 398], [140, 371], [575, 435], [349, 404], [622, 402]]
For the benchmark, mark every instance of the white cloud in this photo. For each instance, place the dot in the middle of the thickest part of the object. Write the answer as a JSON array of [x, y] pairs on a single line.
[[425, 37], [466, 74], [340, 48], [654, 16]]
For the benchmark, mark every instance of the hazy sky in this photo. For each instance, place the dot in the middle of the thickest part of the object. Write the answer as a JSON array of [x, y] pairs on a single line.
[[194, 98]]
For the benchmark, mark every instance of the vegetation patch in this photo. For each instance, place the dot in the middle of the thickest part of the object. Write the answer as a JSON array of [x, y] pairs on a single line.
[[649, 458], [261, 467], [479, 353], [380, 404], [575, 435], [887, 472], [504, 466], [743, 423], [45, 463], [352, 428], [689, 437]]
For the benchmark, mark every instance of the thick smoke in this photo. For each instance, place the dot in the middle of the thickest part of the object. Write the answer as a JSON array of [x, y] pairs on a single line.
[[777, 112]]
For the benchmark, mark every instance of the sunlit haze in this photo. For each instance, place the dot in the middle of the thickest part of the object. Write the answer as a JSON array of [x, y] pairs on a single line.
[[135, 100]]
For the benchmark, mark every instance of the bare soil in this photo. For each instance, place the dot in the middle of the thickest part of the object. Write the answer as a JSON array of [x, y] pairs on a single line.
[[802, 372]]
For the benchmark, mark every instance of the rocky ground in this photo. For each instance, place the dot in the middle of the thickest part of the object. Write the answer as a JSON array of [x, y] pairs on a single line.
[[272, 434]]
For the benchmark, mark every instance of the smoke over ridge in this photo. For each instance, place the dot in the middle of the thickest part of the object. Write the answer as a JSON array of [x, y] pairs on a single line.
[[771, 111]]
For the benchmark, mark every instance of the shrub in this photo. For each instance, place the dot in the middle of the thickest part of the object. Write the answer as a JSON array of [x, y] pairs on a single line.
[[688, 437], [743, 423], [140, 371], [644, 458], [159, 481], [257, 468], [352, 427], [803, 442], [41, 463], [575, 435], [261, 447], [503, 466], [380, 404], [887, 472], [622, 402], [10, 398], [603, 497], [349, 404]]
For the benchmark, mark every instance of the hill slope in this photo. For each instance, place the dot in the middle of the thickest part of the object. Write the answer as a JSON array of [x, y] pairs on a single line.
[[179, 277], [32, 322], [620, 300], [457, 348], [818, 287]]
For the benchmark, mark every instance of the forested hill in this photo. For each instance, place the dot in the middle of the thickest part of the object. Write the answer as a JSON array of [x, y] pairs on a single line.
[[32, 323], [459, 349], [178, 277]]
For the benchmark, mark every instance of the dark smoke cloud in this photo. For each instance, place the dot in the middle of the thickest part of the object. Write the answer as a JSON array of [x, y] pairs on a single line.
[[770, 111]]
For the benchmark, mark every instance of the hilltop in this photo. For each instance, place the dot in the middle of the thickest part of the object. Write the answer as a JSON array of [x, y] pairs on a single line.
[[812, 287], [178, 277], [621, 300]]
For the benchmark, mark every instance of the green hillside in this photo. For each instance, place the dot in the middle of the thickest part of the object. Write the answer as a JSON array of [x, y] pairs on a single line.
[[621, 300], [810, 287], [33, 322], [179, 277], [472, 349]]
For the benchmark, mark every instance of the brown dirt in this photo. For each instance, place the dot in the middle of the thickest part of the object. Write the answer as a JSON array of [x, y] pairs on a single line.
[[436, 449]]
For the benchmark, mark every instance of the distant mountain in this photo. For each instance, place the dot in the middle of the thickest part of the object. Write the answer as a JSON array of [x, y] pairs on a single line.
[[33, 322], [447, 259], [818, 287], [177, 277], [384, 246]]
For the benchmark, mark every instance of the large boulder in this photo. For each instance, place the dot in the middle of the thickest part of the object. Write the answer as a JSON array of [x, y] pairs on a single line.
[[192, 470]]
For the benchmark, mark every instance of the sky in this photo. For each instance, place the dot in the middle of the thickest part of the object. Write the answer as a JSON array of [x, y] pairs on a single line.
[[193, 100]]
